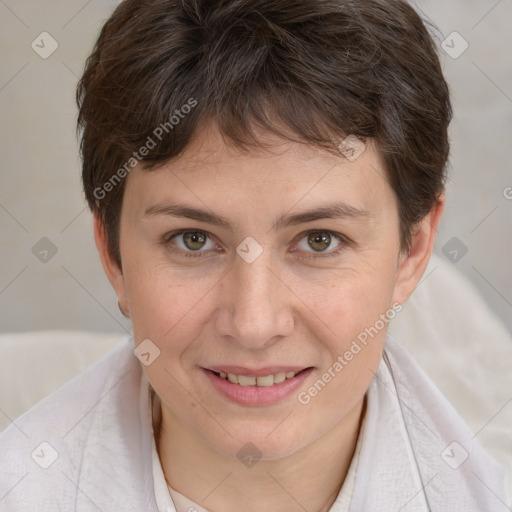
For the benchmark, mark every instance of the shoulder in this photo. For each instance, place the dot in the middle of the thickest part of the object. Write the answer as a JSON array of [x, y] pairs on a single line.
[[444, 447], [46, 453]]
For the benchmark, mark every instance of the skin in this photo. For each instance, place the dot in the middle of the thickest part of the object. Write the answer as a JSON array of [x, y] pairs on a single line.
[[279, 309]]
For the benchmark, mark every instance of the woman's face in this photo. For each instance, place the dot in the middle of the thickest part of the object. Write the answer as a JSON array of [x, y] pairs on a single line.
[[224, 271]]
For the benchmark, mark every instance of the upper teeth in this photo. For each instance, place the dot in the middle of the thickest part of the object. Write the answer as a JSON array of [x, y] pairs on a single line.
[[266, 380]]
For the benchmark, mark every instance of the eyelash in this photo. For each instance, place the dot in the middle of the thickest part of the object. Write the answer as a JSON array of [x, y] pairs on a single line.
[[344, 242]]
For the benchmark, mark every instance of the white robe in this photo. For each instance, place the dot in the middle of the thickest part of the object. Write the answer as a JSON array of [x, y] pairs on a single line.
[[88, 447]]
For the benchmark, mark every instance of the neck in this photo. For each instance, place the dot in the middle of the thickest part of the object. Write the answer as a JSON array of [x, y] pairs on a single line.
[[309, 479]]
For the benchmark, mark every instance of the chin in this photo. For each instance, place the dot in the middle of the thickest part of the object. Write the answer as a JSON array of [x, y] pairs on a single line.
[[260, 444]]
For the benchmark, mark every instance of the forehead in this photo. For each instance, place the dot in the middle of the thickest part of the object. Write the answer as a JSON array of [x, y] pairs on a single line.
[[213, 171]]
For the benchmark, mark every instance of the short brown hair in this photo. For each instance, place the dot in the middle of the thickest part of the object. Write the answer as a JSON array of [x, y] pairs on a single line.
[[302, 69]]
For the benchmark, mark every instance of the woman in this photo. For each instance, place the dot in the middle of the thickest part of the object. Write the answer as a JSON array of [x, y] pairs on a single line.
[[266, 181]]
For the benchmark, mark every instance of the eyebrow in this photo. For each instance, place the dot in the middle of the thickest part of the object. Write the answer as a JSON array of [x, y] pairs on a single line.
[[329, 211]]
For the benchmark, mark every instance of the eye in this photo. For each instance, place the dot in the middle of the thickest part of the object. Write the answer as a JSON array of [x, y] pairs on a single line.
[[189, 243], [320, 241]]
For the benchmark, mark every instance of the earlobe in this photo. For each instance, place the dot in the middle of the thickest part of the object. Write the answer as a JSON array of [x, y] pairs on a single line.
[[413, 264], [110, 266]]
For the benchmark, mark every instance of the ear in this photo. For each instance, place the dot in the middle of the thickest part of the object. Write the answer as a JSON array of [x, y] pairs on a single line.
[[412, 264], [111, 268]]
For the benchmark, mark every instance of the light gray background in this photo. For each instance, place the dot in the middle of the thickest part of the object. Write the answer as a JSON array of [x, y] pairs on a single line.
[[40, 190]]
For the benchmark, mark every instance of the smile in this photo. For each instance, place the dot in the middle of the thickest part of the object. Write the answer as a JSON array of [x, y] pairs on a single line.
[[271, 386], [251, 380]]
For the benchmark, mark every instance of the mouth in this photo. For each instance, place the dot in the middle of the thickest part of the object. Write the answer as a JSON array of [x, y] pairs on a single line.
[[250, 387], [270, 379]]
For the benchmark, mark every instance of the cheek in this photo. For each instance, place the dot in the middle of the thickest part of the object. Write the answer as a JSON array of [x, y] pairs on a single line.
[[350, 318], [163, 307], [348, 301]]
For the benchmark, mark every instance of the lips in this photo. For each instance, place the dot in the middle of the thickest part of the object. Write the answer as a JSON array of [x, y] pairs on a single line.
[[257, 387]]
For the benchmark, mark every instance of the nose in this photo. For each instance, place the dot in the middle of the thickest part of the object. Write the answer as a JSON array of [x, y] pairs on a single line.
[[255, 307]]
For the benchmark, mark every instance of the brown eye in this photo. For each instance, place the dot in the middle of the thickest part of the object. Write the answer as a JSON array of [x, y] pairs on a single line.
[[319, 241], [194, 240], [320, 244], [189, 243]]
